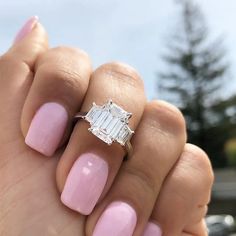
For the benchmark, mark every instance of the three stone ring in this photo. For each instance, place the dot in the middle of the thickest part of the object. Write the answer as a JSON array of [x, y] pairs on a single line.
[[109, 122]]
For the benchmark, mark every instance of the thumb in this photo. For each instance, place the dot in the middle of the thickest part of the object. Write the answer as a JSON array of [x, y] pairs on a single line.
[[30, 42]]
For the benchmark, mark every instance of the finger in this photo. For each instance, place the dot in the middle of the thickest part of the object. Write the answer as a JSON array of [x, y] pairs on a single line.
[[30, 42], [128, 206], [60, 83], [179, 207], [197, 229], [95, 164], [16, 70]]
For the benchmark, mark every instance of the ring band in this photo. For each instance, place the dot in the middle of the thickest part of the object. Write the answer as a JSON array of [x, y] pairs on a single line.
[[109, 123]]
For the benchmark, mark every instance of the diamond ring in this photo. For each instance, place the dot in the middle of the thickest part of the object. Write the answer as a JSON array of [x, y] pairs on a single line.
[[109, 123]]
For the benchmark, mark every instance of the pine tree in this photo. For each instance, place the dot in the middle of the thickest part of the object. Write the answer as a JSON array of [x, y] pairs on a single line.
[[195, 69]]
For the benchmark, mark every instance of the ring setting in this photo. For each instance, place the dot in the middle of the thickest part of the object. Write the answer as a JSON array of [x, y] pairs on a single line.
[[109, 122]]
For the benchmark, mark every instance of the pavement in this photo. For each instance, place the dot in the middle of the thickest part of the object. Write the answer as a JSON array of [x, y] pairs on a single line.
[[225, 184]]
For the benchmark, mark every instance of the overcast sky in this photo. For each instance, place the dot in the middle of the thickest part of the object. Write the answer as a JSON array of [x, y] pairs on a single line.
[[131, 31]]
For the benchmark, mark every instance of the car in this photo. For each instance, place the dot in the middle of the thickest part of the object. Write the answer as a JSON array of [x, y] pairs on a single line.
[[220, 225]]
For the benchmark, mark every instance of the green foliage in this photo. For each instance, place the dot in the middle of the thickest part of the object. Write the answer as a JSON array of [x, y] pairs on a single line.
[[195, 71], [230, 150]]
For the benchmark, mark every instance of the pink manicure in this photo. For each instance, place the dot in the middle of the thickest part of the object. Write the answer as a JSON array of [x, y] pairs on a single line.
[[26, 29], [152, 229], [119, 219], [47, 128], [85, 183]]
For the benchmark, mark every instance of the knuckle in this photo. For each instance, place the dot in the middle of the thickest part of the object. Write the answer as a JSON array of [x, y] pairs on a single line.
[[122, 72], [70, 50], [63, 56], [166, 115], [64, 78], [201, 161], [9, 65], [59, 73], [192, 176], [142, 179]]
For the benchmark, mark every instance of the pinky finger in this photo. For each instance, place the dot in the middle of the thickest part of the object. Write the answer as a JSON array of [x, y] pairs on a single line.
[[181, 204], [197, 229]]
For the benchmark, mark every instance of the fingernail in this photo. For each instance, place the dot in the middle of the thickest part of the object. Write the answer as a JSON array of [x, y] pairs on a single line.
[[152, 229], [47, 128], [119, 219], [26, 29], [85, 183]]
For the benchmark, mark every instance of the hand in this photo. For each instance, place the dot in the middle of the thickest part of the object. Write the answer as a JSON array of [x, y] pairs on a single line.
[[166, 182]]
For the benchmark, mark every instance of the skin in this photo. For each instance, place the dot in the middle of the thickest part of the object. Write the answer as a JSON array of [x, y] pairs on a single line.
[[29, 192]]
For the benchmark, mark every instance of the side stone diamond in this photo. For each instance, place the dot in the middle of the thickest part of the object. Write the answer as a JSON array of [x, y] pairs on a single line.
[[93, 114], [124, 135]]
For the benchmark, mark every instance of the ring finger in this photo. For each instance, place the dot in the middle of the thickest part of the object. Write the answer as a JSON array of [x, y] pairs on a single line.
[[88, 165]]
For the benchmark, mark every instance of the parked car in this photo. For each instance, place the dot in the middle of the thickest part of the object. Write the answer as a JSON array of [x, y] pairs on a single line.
[[220, 225]]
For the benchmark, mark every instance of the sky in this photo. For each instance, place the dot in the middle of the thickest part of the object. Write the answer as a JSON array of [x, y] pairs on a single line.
[[131, 31]]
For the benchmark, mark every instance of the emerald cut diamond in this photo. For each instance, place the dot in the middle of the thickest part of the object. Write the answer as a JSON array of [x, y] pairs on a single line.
[[109, 123]]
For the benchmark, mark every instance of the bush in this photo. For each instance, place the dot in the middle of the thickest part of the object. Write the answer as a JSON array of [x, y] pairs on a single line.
[[230, 150]]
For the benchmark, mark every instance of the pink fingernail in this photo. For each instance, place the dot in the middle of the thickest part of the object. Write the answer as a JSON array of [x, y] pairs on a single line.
[[152, 229], [85, 183], [26, 29], [47, 128], [119, 219]]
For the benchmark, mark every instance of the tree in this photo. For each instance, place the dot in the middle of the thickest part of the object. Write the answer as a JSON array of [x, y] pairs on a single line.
[[193, 79]]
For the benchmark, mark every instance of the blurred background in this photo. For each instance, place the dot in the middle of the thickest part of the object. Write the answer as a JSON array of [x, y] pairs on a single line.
[[184, 50]]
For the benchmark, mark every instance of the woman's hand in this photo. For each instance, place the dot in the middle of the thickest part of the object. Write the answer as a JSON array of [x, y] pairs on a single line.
[[29, 202], [163, 189]]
